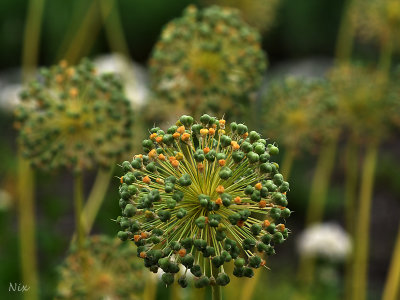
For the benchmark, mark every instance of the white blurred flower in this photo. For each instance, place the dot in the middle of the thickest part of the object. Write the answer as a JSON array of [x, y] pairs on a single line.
[[134, 76], [5, 200], [9, 95], [326, 240]]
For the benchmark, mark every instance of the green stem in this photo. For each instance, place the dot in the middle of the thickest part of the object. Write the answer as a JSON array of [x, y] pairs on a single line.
[[363, 222], [250, 286], [216, 292], [287, 163], [96, 198], [320, 182], [32, 37], [78, 203], [27, 231], [350, 204], [345, 38], [392, 290]]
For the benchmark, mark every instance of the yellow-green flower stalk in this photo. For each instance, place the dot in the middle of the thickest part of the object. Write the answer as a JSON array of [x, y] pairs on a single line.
[[114, 272], [209, 59], [258, 13], [195, 199], [364, 110]]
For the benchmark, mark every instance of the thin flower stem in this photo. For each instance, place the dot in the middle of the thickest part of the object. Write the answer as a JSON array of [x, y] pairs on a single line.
[[216, 292], [363, 223], [78, 203], [287, 163], [27, 231], [96, 198], [392, 285], [345, 40]]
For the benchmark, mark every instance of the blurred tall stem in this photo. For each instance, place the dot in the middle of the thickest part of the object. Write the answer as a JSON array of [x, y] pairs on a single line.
[[26, 181], [96, 197], [78, 204], [344, 44], [287, 163], [351, 178], [363, 223], [27, 225], [392, 285], [216, 292], [319, 188]]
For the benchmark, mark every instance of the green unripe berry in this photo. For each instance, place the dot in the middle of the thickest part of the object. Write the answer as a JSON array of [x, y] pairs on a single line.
[[167, 278], [130, 210], [254, 261], [239, 262], [123, 235]]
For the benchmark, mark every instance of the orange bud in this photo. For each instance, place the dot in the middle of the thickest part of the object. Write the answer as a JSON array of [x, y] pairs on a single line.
[[211, 131], [185, 137], [258, 186], [266, 223], [263, 262], [73, 92], [153, 136], [182, 252], [153, 153], [203, 131], [159, 139], [220, 189], [181, 129], [237, 200], [161, 157], [222, 162], [200, 166], [175, 163], [245, 135], [235, 145], [121, 179], [176, 135], [218, 201], [146, 179], [206, 150], [143, 254], [280, 227], [240, 223], [262, 204], [172, 158], [143, 235], [137, 237]]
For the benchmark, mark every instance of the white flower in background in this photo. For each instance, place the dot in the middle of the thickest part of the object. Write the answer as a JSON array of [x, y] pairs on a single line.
[[5, 200], [9, 95], [326, 240], [134, 76]]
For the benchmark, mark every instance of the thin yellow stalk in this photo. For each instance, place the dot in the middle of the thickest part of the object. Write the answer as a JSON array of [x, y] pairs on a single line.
[[363, 222], [344, 44], [96, 198], [350, 204], [320, 182], [287, 163], [150, 288], [78, 204], [392, 285], [27, 227]]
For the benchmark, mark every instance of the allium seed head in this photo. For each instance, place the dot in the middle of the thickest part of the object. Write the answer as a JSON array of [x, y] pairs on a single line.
[[210, 56], [74, 118], [190, 209]]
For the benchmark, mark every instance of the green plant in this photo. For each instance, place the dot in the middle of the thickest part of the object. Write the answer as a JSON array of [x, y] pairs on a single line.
[[107, 260], [208, 59], [203, 195]]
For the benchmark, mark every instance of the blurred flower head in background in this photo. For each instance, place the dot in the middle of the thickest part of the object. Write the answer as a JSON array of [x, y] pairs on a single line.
[[209, 59], [377, 20], [363, 100], [299, 111], [325, 240], [258, 13], [6, 200], [110, 271], [74, 118], [203, 193]]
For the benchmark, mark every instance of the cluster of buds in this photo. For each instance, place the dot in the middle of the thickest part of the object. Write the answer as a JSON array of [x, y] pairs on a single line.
[[106, 259], [203, 195], [74, 118], [293, 109], [209, 56]]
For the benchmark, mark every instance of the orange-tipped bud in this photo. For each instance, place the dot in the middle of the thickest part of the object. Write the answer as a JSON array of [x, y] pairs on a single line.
[[121, 179], [220, 189], [179, 156], [235, 145], [176, 135], [211, 131], [137, 237], [200, 166], [73, 92], [172, 158], [206, 150], [185, 137], [237, 200], [258, 186], [143, 254], [266, 223], [203, 132], [218, 201], [182, 252], [245, 135], [263, 262], [262, 204], [153, 136], [175, 163], [153, 153], [222, 162], [240, 223], [146, 179], [159, 139], [161, 157], [181, 129], [280, 227]]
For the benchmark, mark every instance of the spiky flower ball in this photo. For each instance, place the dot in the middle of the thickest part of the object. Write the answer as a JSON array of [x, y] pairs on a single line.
[[294, 108], [72, 117], [207, 58], [110, 272], [204, 195]]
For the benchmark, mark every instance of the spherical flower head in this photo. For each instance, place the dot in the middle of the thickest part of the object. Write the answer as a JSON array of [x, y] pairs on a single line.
[[377, 20], [209, 56], [203, 195], [72, 117], [326, 240], [293, 110], [110, 271], [258, 13], [362, 106]]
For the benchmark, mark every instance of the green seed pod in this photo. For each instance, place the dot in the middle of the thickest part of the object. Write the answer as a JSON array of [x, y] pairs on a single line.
[[255, 229], [167, 278], [238, 156], [254, 261], [183, 281], [130, 210], [223, 279], [241, 129]]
